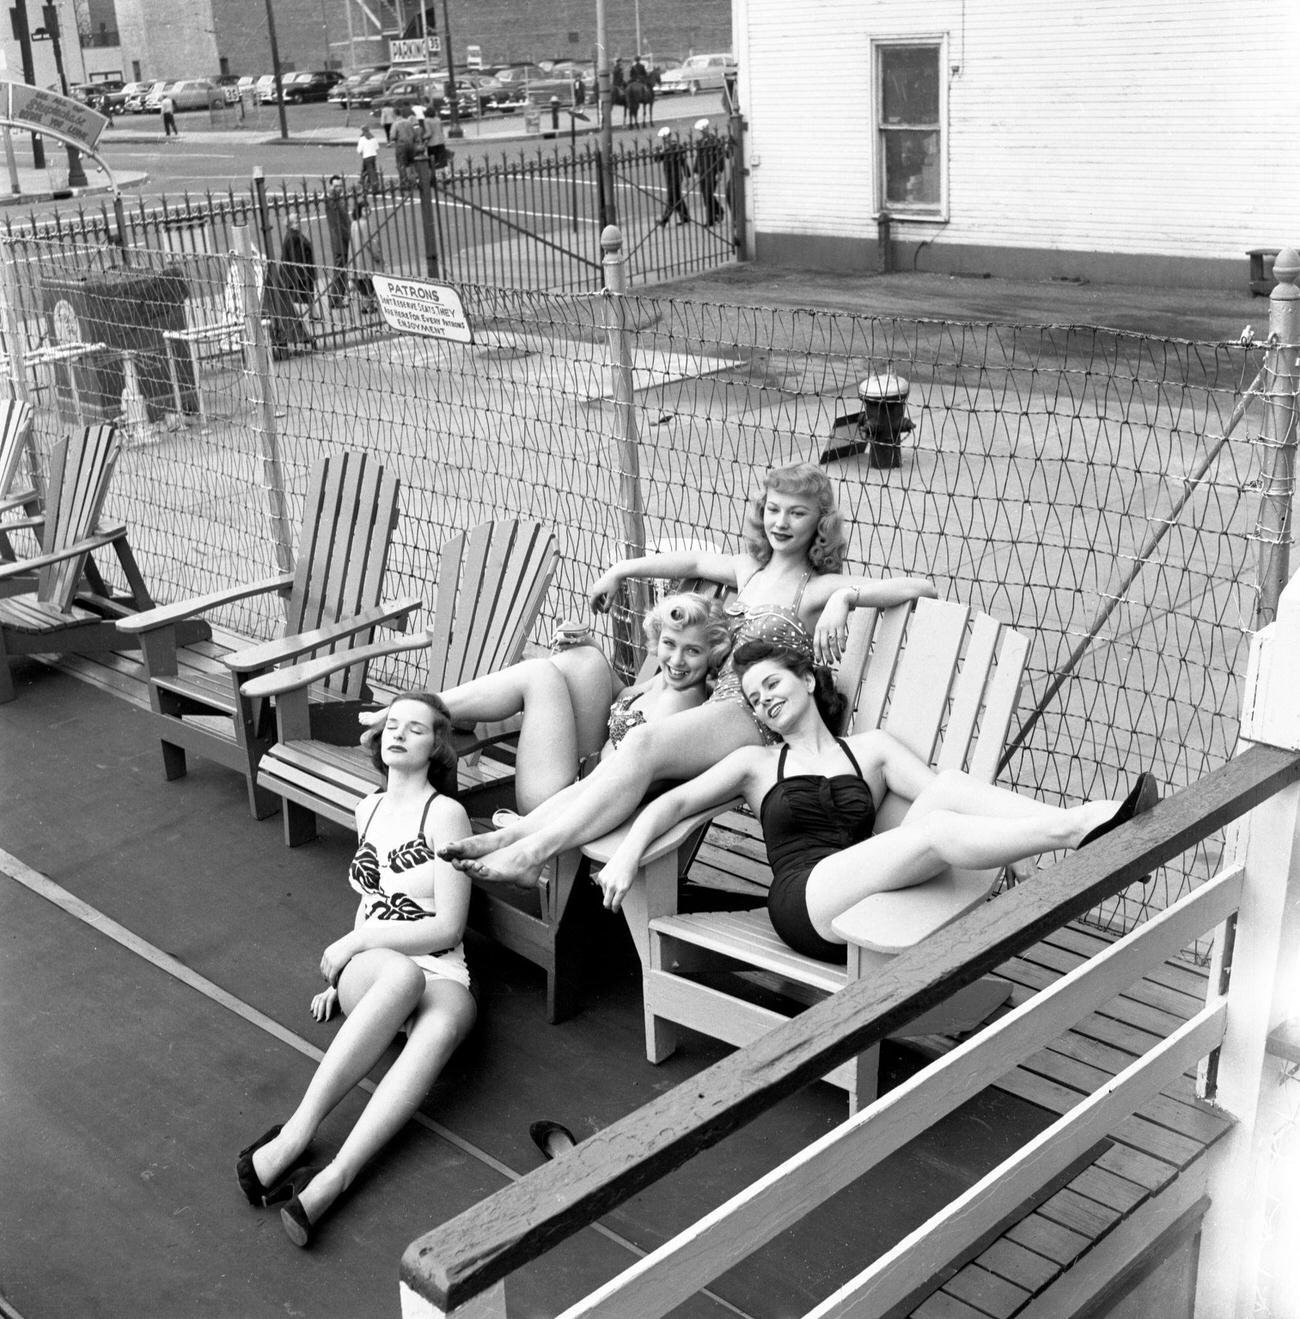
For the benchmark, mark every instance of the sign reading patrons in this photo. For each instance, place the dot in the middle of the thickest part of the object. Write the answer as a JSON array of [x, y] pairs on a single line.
[[47, 112], [418, 306]]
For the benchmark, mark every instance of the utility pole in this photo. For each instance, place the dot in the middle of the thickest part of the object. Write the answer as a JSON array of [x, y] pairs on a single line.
[[76, 170], [604, 94], [275, 71], [23, 36], [453, 128]]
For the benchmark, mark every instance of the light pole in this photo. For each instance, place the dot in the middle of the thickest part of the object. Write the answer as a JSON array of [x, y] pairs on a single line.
[[636, 10], [453, 128], [50, 15], [23, 36], [275, 70]]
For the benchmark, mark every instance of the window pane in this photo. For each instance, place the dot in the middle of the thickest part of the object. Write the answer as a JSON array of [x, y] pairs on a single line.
[[909, 77], [911, 167]]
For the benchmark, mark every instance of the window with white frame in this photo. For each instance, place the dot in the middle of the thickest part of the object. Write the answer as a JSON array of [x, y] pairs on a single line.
[[909, 109]]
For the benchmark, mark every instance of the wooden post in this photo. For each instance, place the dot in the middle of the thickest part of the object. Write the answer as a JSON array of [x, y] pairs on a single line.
[[257, 366], [1259, 958], [490, 1304], [1277, 481], [628, 647]]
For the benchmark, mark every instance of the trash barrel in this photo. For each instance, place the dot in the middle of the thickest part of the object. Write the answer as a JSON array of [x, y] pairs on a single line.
[[884, 418], [128, 311]]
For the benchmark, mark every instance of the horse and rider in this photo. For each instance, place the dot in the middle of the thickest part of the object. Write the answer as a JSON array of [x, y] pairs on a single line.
[[634, 90]]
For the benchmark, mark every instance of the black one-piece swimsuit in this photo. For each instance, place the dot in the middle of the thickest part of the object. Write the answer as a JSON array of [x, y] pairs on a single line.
[[806, 818]]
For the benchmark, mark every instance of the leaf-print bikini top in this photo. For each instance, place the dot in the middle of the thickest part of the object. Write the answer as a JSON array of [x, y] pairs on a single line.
[[377, 881]]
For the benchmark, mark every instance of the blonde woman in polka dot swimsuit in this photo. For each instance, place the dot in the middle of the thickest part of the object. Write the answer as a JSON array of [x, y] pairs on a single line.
[[789, 589]]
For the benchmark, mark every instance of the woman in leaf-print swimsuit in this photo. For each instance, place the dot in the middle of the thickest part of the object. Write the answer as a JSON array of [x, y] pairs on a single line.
[[400, 969]]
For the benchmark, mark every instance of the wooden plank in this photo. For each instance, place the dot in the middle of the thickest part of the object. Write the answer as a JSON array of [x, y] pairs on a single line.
[[1178, 974], [986, 1292], [1018, 1264], [1044, 1237], [1148, 994]]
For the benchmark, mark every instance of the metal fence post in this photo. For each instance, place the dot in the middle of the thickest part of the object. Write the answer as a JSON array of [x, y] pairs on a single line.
[[736, 186], [1277, 480], [627, 457], [257, 364], [424, 176]]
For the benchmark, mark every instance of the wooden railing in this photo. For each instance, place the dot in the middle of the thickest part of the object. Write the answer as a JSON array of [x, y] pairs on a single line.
[[458, 1269]]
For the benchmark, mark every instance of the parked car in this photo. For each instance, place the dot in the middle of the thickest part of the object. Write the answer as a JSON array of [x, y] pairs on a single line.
[[344, 92], [264, 87], [518, 76], [310, 85], [476, 93], [699, 73], [135, 102], [107, 95], [410, 90], [188, 94]]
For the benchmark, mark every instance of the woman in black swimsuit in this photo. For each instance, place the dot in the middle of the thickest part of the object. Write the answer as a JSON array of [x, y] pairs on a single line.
[[400, 969], [819, 796]]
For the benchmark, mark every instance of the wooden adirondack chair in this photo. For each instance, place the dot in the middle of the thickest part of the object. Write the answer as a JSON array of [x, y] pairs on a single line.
[[54, 603], [15, 440], [491, 583], [946, 684], [332, 602]]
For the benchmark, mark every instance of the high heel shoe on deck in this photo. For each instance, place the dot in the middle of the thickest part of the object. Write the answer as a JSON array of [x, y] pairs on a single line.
[[249, 1182], [297, 1226]]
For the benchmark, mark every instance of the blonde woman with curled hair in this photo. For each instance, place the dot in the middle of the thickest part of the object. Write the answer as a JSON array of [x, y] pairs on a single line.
[[789, 589]]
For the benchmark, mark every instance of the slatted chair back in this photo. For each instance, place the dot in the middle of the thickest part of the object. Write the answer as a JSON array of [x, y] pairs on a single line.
[[15, 430], [491, 580], [348, 521], [77, 480]]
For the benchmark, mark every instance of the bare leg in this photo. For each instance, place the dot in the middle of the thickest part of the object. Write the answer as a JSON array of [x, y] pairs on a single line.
[[955, 822], [564, 701], [678, 747], [443, 1018], [378, 990]]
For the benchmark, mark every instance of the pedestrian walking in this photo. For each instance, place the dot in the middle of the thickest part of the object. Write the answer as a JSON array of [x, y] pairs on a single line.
[[366, 257], [406, 138], [368, 150], [168, 107], [672, 154], [710, 161], [338, 222], [387, 118]]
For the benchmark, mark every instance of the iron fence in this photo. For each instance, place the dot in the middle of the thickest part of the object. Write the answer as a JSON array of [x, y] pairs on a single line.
[[531, 219]]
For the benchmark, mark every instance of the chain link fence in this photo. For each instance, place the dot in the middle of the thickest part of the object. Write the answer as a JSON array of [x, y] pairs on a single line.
[[1100, 490]]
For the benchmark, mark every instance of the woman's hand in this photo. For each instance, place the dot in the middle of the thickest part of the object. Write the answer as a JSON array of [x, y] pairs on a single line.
[[323, 1005], [832, 632], [601, 594], [372, 722], [615, 879], [336, 957]]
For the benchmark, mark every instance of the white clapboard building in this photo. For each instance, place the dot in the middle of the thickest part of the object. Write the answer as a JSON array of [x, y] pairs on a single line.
[[1152, 141]]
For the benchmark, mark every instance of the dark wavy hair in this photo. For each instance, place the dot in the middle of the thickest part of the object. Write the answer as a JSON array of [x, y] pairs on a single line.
[[830, 704], [826, 553], [441, 771]]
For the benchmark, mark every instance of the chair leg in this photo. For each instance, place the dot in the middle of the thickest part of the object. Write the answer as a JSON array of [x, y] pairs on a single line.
[[866, 1079], [173, 761], [660, 1034], [299, 824]]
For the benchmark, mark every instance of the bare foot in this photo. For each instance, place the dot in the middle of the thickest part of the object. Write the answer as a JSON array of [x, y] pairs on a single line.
[[510, 865], [477, 845]]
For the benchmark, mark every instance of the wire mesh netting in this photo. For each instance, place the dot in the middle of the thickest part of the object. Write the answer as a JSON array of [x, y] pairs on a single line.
[[1099, 490]]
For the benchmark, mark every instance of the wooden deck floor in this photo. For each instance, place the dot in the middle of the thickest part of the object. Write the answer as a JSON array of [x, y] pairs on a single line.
[[1148, 1167]]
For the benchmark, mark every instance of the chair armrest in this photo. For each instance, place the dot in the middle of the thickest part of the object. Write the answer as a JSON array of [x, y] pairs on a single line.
[[165, 615], [95, 542], [896, 921], [16, 499], [18, 524], [281, 681], [601, 849], [268, 654]]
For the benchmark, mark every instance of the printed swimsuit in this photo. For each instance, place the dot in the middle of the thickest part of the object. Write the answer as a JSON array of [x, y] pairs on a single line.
[[806, 818], [623, 717], [381, 884], [778, 624]]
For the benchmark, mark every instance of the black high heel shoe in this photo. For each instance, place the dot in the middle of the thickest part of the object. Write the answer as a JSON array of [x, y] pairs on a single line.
[[293, 1217], [249, 1182], [551, 1138], [1143, 795]]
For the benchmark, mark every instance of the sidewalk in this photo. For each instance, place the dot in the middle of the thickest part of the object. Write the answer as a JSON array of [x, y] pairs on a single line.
[[51, 183]]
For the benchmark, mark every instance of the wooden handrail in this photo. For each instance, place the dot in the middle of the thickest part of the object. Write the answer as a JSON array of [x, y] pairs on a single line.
[[468, 1254]]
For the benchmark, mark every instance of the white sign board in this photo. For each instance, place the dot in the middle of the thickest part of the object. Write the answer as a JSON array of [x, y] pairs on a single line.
[[413, 50], [419, 306], [22, 106]]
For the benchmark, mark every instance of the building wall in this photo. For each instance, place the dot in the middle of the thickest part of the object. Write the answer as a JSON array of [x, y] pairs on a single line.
[[1124, 135], [168, 40]]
